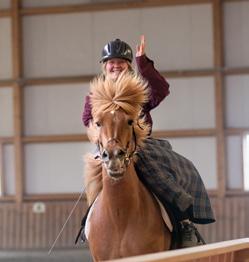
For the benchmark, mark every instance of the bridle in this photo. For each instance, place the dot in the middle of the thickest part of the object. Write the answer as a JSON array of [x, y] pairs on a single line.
[[127, 155]]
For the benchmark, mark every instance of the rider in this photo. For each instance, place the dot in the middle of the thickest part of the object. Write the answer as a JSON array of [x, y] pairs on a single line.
[[170, 176]]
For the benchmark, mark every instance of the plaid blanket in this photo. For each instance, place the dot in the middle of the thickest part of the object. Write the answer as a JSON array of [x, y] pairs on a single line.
[[174, 180]]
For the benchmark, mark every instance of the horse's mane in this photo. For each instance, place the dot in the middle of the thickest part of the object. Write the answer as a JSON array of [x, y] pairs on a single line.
[[129, 93]]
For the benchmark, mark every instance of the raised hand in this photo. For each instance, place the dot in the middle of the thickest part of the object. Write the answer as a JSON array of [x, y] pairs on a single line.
[[141, 47]]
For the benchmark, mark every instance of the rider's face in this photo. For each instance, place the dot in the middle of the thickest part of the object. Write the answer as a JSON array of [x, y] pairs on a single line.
[[115, 66]]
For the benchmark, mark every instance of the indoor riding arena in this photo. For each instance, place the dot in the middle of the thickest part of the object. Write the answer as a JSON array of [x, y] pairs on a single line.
[[50, 50]]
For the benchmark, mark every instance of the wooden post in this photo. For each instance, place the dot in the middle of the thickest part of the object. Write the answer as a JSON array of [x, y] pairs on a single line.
[[219, 103], [2, 182], [17, 88]]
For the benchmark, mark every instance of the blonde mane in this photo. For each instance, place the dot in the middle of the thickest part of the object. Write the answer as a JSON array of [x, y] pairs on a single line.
[[129, 93]]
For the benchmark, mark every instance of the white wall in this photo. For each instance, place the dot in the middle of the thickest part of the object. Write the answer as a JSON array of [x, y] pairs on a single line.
[[55, 168], [236, 98], [54, 109], [234, 162], [177, 38], [8, 169], [6, 111], [5, 48], [236, 35], [4, 4], [190, 105], [236, 21], [83, 35]]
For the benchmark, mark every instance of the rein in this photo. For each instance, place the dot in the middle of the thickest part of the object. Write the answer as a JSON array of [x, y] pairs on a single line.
[[69, 216]]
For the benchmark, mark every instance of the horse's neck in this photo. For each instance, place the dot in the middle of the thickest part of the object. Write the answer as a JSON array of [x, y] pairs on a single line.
[[124, 192]]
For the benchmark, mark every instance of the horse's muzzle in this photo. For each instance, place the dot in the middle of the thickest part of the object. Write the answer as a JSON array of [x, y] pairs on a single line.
[[114, 161]]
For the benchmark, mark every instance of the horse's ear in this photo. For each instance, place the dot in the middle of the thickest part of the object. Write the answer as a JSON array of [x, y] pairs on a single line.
[[92, 132]]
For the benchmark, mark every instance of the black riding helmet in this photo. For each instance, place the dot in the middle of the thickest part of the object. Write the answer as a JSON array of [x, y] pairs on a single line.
[[117, 49]]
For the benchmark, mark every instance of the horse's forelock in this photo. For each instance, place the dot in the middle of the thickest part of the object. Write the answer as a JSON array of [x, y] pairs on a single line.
[[129, 93]]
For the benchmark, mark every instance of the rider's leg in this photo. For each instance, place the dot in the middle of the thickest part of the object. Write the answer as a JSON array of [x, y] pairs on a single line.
[[189, 235]]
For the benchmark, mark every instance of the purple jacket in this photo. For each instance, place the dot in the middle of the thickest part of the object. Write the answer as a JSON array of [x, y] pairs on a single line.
[[159, 89]]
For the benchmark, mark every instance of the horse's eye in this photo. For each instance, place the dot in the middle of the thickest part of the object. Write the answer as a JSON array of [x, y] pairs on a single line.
[[98, 124], [130, 122]]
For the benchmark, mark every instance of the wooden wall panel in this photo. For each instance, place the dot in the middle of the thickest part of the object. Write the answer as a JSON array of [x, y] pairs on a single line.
[[20, 228], [232, 215]]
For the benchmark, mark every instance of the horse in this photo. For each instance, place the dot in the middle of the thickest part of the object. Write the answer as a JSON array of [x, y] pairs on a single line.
[[125, 219]]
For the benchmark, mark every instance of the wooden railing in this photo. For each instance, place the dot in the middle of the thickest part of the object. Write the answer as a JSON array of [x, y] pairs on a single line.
[[227, 251]]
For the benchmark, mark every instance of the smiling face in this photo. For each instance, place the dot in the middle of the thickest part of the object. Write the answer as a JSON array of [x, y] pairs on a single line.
[[114, 67]]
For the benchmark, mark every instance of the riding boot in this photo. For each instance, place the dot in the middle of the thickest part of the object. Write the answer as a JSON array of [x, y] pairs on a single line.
[[190, 236]]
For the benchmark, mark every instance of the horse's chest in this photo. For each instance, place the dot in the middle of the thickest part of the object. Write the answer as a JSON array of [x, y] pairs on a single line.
[[115, 224], [109, 240], [118, 228], [121, 232]]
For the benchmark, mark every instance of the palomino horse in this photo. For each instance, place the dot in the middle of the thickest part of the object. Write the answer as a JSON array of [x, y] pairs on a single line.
[[125, 219]]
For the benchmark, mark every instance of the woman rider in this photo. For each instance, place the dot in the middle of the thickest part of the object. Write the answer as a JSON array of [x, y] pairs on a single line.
[[170, 176]]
